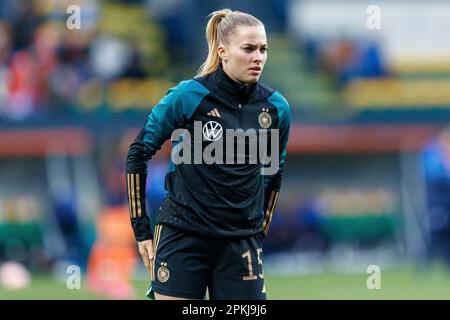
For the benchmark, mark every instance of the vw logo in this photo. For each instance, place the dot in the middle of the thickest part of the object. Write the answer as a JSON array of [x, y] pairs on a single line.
[[212, 131]]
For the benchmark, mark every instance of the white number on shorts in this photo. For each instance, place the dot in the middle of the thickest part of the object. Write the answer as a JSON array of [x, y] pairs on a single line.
[[247, 255]]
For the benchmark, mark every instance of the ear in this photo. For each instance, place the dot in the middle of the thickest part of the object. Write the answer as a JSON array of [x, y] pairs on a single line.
[[222, 52]]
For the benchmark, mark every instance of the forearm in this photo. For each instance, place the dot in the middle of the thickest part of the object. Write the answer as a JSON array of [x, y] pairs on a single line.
[[271, 193], [136, 173], [140, 222]]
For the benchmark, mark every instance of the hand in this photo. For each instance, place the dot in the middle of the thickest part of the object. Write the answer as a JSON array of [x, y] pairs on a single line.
[[146, 252]]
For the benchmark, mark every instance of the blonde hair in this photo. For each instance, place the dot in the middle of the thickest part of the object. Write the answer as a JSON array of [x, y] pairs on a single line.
[[221, 25]]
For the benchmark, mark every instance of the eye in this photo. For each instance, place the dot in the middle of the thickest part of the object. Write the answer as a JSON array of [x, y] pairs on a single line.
[[248, 49], [264, 50]]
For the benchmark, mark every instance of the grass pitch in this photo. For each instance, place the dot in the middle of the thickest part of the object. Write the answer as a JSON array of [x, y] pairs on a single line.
[[395, 284]]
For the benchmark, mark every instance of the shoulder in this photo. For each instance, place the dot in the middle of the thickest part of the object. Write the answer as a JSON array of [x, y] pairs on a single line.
[[264, 91], [207, 81], [279, 101], [187, 89], [186, 95], [274, 97]]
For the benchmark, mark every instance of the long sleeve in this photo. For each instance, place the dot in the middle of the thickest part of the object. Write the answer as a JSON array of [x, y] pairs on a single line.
[[272, 184], [170, 113]]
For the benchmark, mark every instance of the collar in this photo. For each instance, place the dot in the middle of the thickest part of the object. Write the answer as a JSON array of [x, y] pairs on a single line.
[[233, 87]]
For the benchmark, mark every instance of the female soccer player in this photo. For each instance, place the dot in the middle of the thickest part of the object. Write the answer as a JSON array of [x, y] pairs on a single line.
[[210, 227]]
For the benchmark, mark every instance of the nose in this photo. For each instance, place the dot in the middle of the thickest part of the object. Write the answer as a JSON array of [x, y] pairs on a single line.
[[258, 57]]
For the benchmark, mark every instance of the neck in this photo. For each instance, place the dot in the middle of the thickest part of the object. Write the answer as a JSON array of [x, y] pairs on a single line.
[[225, 69]]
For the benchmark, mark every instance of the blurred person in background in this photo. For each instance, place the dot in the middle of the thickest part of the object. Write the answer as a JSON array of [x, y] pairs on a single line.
[[5, 50], [210, 227], [436, 159], [347, 58], [155, 193], [113, 258]]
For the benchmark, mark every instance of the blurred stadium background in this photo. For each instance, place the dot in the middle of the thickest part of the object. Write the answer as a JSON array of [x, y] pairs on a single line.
[[368, 171]]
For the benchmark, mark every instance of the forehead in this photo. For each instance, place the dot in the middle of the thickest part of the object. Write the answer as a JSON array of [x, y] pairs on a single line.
[[246, 34]]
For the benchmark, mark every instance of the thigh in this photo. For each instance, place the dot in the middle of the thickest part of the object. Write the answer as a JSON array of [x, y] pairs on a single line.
[[180, 266], [238, 273]]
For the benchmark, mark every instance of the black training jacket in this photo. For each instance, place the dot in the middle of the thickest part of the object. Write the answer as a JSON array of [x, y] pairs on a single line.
[[229, 197]]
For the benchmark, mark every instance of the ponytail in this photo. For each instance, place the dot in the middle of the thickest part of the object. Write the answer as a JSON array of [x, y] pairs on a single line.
[[212, 61]]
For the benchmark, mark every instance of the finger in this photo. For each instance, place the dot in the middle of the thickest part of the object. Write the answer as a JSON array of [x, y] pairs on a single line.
[[150, 251], [147, 264], [144, 256]]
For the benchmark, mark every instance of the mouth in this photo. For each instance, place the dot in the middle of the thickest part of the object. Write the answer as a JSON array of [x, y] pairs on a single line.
[[255, 70]]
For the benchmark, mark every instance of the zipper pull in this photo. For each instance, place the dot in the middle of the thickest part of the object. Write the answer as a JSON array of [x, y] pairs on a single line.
[[240, 107]]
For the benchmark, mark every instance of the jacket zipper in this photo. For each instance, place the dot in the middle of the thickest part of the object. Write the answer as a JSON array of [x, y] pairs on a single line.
[[240, 116]]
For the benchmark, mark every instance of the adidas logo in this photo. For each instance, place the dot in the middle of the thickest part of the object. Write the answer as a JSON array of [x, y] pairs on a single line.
[[214, 113]]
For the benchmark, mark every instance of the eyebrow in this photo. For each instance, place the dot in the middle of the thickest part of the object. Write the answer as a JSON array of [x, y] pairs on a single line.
[[253, 45]]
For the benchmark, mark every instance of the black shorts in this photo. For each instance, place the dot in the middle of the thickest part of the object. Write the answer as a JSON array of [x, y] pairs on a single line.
[[186, 265]]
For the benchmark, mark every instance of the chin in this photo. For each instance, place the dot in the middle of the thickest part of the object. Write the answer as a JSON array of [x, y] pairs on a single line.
[[252, 79]]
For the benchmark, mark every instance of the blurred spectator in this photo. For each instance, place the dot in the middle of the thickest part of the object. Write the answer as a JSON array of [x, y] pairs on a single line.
[[436, 158], [348, 58], [110, 57], [134, 68], [5, 49], [29, 72], [22, 89], [23, 20], [63, 200], [44, 66], [156, 191], [112, 259], [112, 166]]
